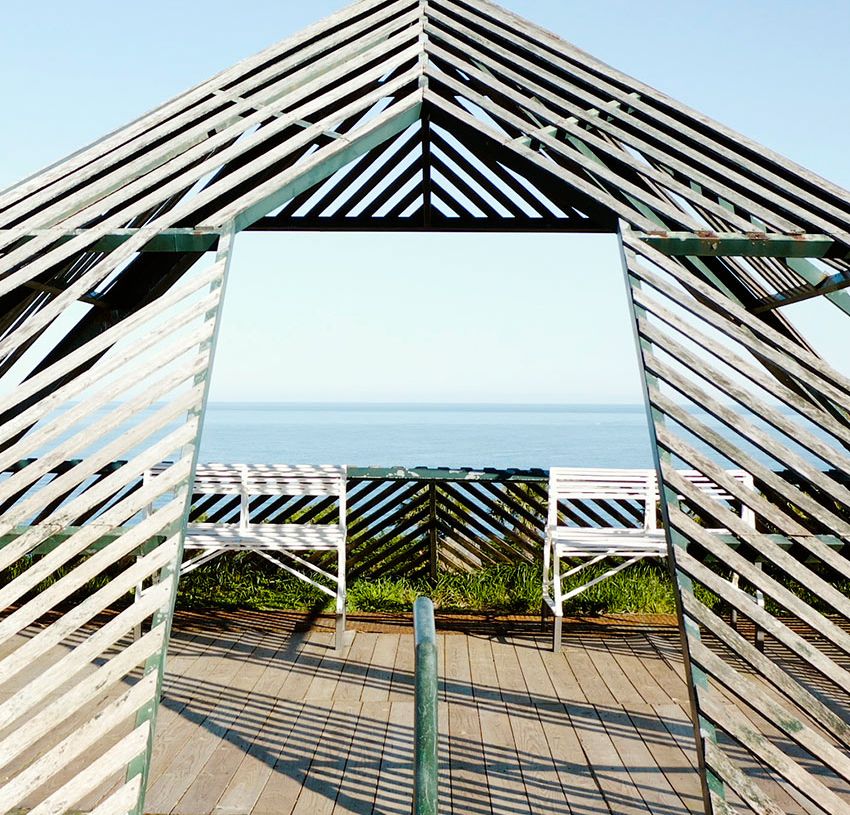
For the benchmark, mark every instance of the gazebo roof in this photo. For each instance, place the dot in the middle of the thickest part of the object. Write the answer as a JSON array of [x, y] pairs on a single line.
[[441, 113], [431, 115]]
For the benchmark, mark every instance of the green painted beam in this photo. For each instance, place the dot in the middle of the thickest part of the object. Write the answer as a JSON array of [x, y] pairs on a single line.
[[426, 732], [169, 240], [743, 244], [56, 540], [441, 474], [812, 275]]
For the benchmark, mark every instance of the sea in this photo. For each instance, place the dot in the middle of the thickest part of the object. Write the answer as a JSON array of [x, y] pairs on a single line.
[[432, 435], [410, 435]]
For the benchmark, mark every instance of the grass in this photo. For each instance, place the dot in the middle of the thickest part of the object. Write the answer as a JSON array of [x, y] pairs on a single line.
[[237, 582]]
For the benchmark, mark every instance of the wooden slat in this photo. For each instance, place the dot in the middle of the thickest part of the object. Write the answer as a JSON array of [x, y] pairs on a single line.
[[102, 498], [785, 730]]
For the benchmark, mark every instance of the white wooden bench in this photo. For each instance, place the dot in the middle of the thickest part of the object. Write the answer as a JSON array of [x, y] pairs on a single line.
[[626, 526], [283, 544]]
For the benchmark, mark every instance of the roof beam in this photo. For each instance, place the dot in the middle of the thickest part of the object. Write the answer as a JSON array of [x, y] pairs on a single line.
[[439, 223], [181, 240], [743, 244], [830, 285], [321, 165]]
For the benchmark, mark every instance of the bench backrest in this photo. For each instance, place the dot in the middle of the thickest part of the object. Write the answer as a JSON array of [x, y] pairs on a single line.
[[638, 486], [269, 479], [715, 491], [582, 484], [256, 480]]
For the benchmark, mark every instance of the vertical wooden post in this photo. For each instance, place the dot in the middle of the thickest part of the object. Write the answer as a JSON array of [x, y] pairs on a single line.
[[427, 205], [432, 530]]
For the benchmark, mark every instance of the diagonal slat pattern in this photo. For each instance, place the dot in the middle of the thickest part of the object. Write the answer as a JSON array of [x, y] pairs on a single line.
[[433, 115], [79, 538], [782, 700]]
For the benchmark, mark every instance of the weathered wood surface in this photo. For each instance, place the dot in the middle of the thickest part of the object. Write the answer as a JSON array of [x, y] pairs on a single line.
[[79, 702], [438, 114], [707, 402], [259, 718]]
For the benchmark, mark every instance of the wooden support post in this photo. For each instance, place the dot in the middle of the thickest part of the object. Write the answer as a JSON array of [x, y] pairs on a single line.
[[712, 786], [427, 201]]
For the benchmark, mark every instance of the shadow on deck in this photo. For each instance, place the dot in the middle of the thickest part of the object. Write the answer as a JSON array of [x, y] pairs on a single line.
[[271, 720]]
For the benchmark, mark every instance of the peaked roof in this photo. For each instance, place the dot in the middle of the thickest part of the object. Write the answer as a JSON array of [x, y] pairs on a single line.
[[419, 114], [484, 114]]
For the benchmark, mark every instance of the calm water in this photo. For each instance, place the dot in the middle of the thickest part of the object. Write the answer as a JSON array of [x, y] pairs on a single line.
[[521, 436], [428, 435]]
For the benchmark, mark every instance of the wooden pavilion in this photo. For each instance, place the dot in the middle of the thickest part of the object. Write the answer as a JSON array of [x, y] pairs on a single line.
[[422, 115]]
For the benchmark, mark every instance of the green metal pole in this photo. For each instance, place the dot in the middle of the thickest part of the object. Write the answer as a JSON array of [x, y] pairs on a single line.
[[425, 784]]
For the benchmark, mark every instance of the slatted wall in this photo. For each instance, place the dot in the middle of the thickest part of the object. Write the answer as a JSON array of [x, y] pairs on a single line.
[[727, 389], [79, 701]]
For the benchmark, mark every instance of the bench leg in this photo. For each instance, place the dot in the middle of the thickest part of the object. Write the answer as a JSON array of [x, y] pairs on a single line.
[[558, 607], [339, 640], [544, 607], [733, 619], [137, 596], [759, 635], [556, 637], [340, 602]]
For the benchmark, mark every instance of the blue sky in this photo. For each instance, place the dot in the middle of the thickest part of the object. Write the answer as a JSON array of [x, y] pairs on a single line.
[[512, 319]]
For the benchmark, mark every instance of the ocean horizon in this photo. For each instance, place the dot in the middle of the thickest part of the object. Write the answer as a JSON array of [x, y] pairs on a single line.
[[389, 434], [441, 435]]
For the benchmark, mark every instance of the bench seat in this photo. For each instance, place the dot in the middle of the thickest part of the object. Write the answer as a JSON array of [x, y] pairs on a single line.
[[286, 545], [579, 541], [297, 537]]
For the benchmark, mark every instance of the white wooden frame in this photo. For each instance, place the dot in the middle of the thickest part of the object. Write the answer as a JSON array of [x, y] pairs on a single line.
[[277, 543], [592, 545]]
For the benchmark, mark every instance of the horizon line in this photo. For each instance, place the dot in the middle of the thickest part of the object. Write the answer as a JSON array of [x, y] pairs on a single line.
[[402, 403]]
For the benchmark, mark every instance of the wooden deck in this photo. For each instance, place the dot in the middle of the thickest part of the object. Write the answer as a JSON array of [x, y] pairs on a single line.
[[259, 719]]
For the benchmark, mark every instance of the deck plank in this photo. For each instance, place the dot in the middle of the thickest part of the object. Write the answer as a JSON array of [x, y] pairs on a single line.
[[470, 790], [588, 710], [403, 670], [359, 779], [394, 790], [318, 796], [188, 701], [260, 720], [327, 674], [258, 748], [380, 674], [504, 777], [204, 793], [352, 675], [634, 731], [189, 761], [540, 775]]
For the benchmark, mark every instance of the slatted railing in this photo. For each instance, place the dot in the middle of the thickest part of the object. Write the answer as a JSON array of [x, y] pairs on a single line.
[[419, 521], [416, 522], [411, 522]]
